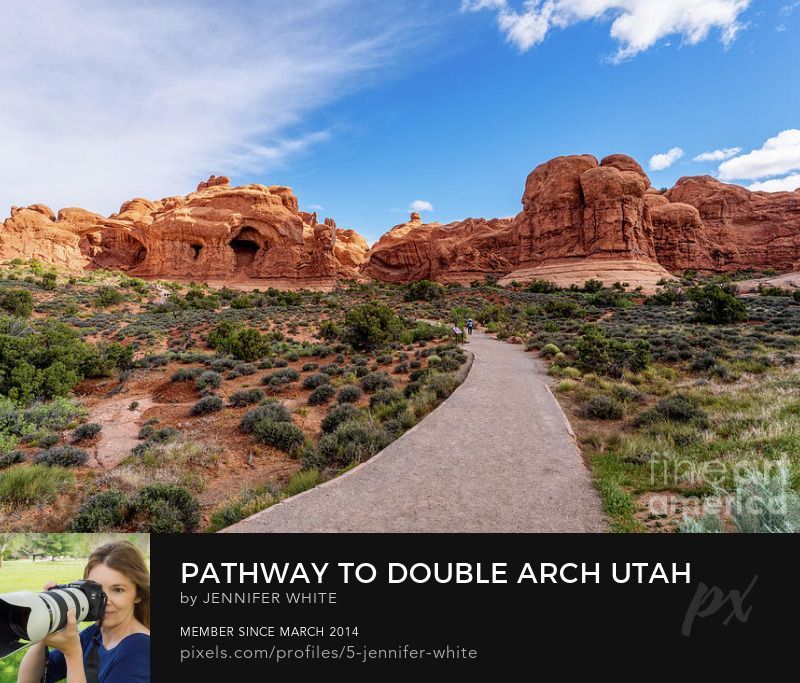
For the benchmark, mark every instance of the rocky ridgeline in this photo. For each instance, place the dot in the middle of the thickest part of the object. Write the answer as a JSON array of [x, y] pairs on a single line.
[[580, 218]]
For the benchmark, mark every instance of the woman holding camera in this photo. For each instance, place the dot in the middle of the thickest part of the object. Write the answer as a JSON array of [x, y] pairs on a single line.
[[117, 648]]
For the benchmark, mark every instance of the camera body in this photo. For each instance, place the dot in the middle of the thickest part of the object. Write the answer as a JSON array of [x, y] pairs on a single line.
[[33, 616]]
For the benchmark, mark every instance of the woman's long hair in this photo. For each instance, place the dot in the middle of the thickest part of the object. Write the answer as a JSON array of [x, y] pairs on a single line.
[[126, 558]]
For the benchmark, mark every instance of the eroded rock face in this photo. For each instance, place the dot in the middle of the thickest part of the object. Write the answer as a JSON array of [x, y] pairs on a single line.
[[578, 216], [745, 229], [35, 232], [455, 252], [574, 209], [217, 232]]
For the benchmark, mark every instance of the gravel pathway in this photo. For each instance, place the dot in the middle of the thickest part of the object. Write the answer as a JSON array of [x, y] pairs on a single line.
[[496, 456]]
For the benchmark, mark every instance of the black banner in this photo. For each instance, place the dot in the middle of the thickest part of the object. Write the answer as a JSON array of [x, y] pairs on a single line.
[[234, 606]]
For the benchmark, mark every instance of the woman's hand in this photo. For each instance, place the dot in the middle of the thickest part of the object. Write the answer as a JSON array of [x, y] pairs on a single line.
[[67, 639]]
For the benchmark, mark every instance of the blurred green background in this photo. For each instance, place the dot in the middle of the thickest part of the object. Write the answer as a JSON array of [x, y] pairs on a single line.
[[28, 561]]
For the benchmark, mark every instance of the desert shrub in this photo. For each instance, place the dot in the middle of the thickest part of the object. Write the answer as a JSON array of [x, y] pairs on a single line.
[[308, 367], [763, 502], [17, 302], [549, 350], [168, 509], [564, 308], [371, 325], [208, 380], [339, 414], [669, 294], [105, 511], [349, 394], [185, 374], [282, 435], [542, 287], [597, 353], [423, 290], [321, 394], [49, 281], [281, 377], [717, 304], [374, 381], [385, 396], [245, 397], [592, 286], [86, 431], [207, 404], [352, 441], [46, 439], [796, 296], [603, 407], [36, 484], [61, 456], [441, 384], [42, 361], [317, 380], [302, 481], [677, 408], [107, 296], [272, 410], [331, 369], [11, 458]]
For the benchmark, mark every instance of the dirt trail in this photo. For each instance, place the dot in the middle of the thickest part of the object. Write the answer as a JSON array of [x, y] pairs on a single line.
[[120, 428], [497, 456]]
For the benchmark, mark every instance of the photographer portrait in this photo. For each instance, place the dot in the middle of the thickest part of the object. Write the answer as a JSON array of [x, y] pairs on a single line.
[[114, 649]]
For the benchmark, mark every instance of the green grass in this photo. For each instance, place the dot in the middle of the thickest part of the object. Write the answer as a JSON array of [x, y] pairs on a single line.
[[34, 484], [24, 575]]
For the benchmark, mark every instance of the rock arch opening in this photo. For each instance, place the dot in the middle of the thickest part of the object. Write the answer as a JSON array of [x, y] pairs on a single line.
[[246, 245]]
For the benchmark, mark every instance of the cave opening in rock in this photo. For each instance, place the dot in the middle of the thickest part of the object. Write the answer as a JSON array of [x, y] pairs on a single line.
[[197, 248], [245, 248]]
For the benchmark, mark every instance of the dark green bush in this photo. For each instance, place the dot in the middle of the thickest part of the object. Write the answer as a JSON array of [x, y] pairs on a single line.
[[18, 302], [86, 431], [321, 395], [207, 404], [282, 435], [317, 380], [208, 380], [564, 308], [542, 287], [592, 286], [339, 414], [349, 394], [272, 409], [676, 408], [423, 290], [603, 407], [371, 325], [11, 458], [107, 296], [62, 456], [168, 509], [376, 380], [597, 353], [245, 397], [105, 511], [353, 441], [717, 304]]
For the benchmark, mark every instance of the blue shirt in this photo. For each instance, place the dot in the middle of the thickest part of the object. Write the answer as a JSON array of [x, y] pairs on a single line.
[[127, 662]]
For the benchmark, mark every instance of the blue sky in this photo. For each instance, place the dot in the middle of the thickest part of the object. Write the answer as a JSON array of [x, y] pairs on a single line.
[[363, 108]]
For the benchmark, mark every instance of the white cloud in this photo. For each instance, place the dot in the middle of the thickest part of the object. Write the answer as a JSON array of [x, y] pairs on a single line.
[[104, 101], [659, 162], [787, 184], [420, 205], [718, 154], [777, 156], [636, 25]]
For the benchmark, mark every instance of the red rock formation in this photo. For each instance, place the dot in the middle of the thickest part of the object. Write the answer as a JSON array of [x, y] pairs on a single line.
[[574, 210], [456, 252], [744, 229], [579, 219], [217, 232]]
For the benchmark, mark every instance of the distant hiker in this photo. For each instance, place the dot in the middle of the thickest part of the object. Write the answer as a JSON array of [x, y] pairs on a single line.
[[470, 325]]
